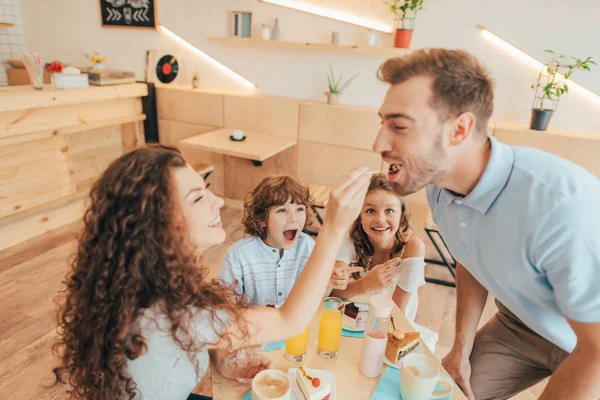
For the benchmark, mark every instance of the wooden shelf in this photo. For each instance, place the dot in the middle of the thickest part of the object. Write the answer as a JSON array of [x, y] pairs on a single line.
[[6, 25], [273, 44]]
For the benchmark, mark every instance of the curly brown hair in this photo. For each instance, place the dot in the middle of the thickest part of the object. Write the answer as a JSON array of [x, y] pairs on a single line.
[[273, 192], [362, 245], [461, 82], [131, 255]]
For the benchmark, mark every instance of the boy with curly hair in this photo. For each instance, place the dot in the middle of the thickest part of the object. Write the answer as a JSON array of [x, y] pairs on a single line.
[[265, 265]]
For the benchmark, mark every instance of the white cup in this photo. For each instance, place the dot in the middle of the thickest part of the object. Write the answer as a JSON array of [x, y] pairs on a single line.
[[271, 384], [237, 134], [418, 377]]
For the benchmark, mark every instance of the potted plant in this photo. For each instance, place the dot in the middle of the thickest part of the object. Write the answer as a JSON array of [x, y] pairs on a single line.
[[336, 87], [551, 85], [196, 79], [405, 12]]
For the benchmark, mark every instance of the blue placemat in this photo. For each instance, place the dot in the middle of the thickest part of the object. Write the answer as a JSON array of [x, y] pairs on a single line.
[[280, 344], [248, 396], [389, 386], [348, 333]]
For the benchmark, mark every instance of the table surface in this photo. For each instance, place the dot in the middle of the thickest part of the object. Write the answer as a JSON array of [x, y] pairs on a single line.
[[257, 146], [350, 383]]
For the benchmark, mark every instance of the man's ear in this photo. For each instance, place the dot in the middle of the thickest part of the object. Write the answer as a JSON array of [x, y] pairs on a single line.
[[462, 127]]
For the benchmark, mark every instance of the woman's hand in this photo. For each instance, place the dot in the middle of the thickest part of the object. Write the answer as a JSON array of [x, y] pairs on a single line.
[[346, 200], [242, 364], [380, 276]]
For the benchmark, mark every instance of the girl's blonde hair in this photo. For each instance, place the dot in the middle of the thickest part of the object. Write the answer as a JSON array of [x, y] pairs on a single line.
[[362, 246]]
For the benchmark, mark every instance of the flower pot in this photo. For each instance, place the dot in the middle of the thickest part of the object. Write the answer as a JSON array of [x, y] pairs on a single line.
[[196, 83], [333, 98], [540, 119], [402, 38]]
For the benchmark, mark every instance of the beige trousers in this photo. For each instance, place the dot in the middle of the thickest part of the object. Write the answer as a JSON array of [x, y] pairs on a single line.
[[508, 357]]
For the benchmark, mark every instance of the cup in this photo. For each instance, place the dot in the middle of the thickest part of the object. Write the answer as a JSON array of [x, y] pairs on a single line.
[[295, 348], [419, 375], [271, 384], [237, 134], [330, 327]]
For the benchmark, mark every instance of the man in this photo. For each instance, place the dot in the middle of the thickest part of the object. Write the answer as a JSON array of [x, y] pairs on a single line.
[[523, 224]]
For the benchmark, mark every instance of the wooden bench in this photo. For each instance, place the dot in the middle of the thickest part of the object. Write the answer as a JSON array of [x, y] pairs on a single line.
[[320, 198]]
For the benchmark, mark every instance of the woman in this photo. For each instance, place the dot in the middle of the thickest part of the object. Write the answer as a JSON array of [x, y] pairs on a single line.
[[139, 314]]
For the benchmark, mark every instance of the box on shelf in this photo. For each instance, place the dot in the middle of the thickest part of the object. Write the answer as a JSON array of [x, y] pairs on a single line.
[[19, 76], [109, 77]]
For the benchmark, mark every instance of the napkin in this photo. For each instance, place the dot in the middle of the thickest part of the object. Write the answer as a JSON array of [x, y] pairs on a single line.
[[273, 346]]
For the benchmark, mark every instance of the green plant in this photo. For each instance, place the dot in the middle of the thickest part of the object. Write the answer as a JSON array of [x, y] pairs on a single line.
[[553, 85], [401, 7], [335, 84]]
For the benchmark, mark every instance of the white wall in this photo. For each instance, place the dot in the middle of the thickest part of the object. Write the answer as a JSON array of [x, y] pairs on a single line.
[[67, 29]]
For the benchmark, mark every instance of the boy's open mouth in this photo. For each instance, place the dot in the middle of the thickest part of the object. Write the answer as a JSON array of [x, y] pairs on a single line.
[[290, 235]]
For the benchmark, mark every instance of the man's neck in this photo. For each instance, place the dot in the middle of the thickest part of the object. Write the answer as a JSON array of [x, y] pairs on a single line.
[[468, 168]]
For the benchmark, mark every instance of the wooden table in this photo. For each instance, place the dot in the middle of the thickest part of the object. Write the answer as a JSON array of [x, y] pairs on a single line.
[[350, 383], [257, 147]]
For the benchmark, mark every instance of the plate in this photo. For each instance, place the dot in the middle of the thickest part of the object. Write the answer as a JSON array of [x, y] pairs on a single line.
[[347, 321], [419, 350], [319, 373]]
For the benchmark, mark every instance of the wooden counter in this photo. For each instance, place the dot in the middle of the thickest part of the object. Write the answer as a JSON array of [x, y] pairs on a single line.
[[53, 145]]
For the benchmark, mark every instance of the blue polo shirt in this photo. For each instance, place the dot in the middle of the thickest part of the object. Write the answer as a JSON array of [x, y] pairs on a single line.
[[530, 233]]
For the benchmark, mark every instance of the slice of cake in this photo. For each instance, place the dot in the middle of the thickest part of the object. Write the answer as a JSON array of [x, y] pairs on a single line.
[[311, 386], [400, 344]]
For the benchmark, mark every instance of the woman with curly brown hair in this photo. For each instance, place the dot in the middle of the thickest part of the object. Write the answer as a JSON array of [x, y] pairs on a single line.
[[139, 314]]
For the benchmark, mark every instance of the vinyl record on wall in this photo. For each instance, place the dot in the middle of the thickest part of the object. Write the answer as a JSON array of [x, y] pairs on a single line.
[[167, 68]]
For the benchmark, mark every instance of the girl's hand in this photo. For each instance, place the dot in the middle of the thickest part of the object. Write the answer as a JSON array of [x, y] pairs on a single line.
[[341, 276], [242, 364], [380, 276]]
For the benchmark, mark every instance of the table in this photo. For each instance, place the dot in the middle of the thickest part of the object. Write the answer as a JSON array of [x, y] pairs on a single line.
[[257, 147], [350, 383]]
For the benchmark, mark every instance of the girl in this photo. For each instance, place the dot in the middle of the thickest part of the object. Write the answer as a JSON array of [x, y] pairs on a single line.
[[139, 314], [393, 259]]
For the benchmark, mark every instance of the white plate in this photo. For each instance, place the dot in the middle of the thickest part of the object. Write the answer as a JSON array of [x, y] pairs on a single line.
[[347, 321], [419, 349], [322, 374]]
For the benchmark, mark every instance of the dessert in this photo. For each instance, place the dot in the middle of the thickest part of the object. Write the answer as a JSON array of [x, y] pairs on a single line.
[[311, 386], [355, 315], [400, 344]]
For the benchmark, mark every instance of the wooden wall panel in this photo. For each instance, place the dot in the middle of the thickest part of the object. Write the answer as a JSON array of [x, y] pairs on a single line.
[[326, 164], [52, 118], [242, 176], [190, 106], [580, 148], [132, 135], [342, 125], [91, 152], [263, 114], [171, 132], [32, 174], [13, 232]]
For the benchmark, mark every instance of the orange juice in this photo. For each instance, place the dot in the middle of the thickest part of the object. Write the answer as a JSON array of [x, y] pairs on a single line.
[[330, 327], [295, 348]]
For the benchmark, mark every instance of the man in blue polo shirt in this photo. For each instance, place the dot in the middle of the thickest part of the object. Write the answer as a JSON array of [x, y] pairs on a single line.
[[523, 224]]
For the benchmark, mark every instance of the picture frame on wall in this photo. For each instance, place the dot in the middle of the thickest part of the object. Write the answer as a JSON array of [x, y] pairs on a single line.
[[241, 24], [128, 14]]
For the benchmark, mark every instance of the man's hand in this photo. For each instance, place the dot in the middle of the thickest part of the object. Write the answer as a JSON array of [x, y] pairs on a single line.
[[242, 364], [459, 369], [341, 275]]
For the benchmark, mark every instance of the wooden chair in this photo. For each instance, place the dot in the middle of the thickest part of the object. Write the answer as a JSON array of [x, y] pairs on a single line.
[[203, 169], [320, 195]]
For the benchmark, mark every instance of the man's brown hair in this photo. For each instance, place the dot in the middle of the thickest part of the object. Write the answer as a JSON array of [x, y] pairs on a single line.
[[272, 192], [461, 83]]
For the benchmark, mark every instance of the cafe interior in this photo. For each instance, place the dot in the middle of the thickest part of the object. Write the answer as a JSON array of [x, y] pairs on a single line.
[[246, 90]]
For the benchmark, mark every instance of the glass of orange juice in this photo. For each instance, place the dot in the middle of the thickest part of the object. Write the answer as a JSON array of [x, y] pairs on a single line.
[[295, 348], [330, 327]]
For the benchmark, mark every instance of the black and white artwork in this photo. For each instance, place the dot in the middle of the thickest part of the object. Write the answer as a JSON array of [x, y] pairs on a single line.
[[128, 13]]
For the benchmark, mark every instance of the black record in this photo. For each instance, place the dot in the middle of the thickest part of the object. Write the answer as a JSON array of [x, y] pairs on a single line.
[[167, 69]]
